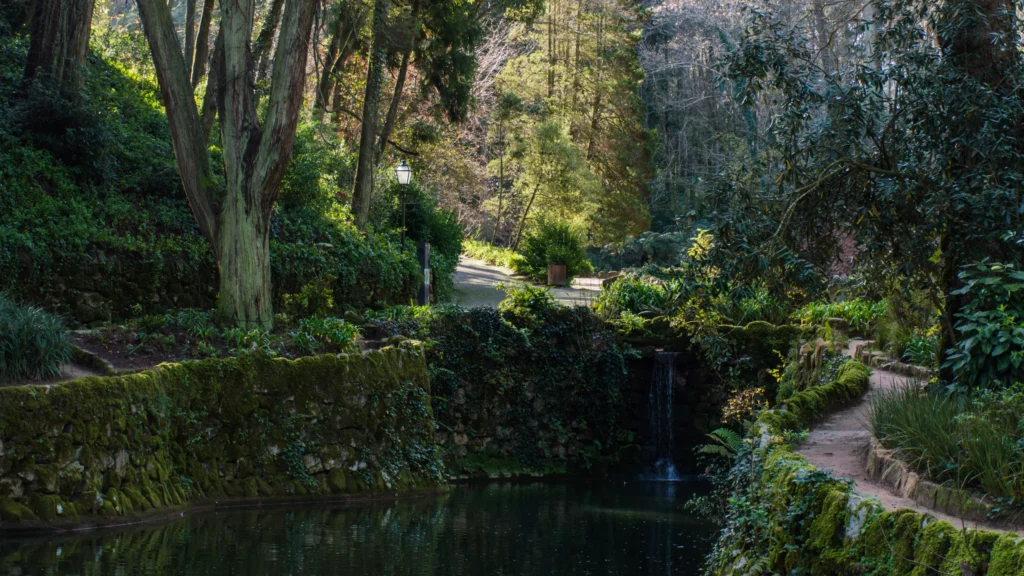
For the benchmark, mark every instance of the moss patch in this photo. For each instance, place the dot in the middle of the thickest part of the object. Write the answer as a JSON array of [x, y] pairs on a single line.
[[789, 517], [246, 427]]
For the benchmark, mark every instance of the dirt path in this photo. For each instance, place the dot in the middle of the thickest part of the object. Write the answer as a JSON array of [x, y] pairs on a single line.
[[476, 285], [840, 443]]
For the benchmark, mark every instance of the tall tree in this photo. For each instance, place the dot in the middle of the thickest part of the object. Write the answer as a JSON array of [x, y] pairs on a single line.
[[403, 69], [197, 65], [59, 40], [235, 216], [363, 192]]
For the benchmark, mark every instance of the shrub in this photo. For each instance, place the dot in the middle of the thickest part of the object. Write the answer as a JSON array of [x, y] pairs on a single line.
[[632, 293], [990, 350], [554, 243], [861, 315], [33, 344], [425, 221], [315, 299], [968, 439], [95, 232], [318, 335], [525, 301]]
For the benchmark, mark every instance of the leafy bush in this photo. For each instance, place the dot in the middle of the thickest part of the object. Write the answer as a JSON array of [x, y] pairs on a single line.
[[425, 221], [554, 243], [972, 440], [861, 315], [315, 299], [990, 350], [33, 344], [525, 301], [632, 293], [325, 335]]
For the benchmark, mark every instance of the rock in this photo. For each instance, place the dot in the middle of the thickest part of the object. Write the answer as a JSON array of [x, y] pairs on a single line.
[[120, 461], [461, 439], [312, 464], [88, 307]]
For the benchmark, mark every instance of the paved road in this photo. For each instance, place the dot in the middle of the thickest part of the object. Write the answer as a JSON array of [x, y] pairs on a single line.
[[476, 285]]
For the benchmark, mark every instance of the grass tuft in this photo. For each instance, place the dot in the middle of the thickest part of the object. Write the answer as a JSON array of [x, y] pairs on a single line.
[[33, 343]]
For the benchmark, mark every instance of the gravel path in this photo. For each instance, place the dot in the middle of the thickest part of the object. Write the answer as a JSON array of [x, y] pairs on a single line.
[[840, 443], [476, 285]]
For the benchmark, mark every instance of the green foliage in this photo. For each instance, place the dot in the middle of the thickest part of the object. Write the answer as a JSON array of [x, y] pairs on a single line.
[[636, 251], [538, 384], [861, 315], [989, 351], [425, 221], [33, 344], [554, 243], [315, 299], [973, 440], [93, 222], [325, 335], [496, 255], [526, 302], [635, 294]]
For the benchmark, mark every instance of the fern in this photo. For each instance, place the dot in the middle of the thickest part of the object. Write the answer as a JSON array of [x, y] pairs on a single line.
[[727, 443]]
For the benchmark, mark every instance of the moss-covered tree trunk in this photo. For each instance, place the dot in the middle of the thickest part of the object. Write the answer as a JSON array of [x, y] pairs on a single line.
[[59, 40], [243, 260], [363, 192], [235, 217]]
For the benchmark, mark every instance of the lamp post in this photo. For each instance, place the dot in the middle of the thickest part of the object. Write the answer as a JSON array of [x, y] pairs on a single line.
[[403, 173]]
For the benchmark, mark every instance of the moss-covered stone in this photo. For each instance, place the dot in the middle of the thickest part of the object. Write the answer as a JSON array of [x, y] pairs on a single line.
[[847, 535], [243, 427]]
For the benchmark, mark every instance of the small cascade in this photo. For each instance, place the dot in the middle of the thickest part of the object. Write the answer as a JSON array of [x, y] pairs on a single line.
[[661, 415]]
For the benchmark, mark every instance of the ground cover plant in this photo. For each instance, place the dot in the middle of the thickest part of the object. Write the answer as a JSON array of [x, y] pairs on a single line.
[[973, 440], [33, 343], [191, 334]]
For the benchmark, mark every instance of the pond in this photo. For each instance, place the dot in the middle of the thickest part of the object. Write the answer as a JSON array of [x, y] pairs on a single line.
[[607, 527]]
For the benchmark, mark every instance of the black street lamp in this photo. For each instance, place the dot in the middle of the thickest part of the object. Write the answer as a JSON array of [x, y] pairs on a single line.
[[403, 172]]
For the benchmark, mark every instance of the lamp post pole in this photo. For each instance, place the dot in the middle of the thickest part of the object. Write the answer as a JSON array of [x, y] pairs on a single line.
[[403, 173]]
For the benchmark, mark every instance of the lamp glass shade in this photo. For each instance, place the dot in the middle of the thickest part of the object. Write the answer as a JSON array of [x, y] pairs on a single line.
[[403, 172]]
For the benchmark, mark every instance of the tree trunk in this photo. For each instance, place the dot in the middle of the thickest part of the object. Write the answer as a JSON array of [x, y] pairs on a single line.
[[59, 41], [190, 34], [243, 260], [235, 218], [389, 120], [526, 214], [261, 51], [501, 179], [324, 85], [363, 192], [202, 44]]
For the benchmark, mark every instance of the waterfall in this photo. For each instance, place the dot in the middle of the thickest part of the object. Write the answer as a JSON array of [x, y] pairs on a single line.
[[660, 415]]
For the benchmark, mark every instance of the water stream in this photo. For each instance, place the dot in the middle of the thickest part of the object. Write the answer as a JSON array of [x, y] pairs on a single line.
[[660, 414]]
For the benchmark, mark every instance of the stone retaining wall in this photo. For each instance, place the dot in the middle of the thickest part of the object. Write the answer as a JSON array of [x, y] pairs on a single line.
[[114, 449]]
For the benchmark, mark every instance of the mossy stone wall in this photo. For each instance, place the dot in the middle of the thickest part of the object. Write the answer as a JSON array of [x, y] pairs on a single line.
[[788, 517], [110, 449]]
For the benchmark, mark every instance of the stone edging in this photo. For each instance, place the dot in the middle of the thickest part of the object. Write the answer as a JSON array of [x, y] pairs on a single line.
[[884, 466], [878, 359]]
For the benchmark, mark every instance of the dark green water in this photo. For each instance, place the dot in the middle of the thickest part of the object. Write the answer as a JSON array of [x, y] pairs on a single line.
[[509, 529]]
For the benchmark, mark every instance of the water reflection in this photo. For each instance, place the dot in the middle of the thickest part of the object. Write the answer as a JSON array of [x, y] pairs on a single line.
[[513, 529]]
